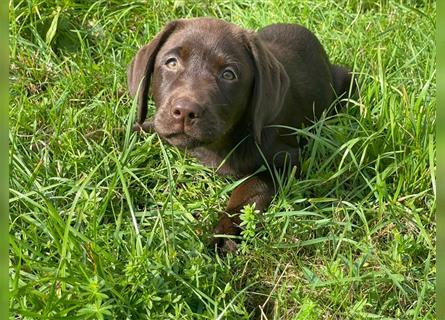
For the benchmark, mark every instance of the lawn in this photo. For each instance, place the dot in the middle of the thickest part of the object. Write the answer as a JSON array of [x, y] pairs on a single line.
[[107, 224]]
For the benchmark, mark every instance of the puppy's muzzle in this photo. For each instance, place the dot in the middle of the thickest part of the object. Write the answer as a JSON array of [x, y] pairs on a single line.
[[185, 112]]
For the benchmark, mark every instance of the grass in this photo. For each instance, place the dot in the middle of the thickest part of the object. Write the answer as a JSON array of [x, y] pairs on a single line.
[[117, 226]]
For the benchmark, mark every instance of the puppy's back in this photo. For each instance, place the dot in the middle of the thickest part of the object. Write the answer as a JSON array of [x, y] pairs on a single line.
[[308, 67]]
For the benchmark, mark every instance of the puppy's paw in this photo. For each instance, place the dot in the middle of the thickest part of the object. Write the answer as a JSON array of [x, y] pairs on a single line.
[[146, 127], [224, 245], [226, 227]]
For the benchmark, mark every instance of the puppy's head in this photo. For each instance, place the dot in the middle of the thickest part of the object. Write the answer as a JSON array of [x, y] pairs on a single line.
[[206, 77]]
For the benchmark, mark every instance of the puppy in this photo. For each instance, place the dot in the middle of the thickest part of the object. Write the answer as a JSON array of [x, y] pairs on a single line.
[[225, 95]]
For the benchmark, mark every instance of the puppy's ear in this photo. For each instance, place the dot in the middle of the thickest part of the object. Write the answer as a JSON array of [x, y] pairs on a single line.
[[141, 67], [270, 85]]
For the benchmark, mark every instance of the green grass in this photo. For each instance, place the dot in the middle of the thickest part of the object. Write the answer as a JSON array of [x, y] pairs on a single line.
[[117, 226]]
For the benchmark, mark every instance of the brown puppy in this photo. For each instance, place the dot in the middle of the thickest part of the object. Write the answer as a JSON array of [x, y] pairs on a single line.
[[219, 90]]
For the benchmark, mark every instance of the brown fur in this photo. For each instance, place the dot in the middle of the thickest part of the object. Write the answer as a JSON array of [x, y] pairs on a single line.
[[282, 76]]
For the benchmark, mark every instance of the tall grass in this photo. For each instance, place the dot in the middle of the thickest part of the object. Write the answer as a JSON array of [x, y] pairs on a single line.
[[117, 226]]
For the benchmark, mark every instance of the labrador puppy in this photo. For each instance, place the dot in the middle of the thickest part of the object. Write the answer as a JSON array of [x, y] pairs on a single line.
[[226, 96]]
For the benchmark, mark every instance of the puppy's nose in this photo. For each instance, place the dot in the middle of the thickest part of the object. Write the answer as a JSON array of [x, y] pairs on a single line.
[[184, 110]]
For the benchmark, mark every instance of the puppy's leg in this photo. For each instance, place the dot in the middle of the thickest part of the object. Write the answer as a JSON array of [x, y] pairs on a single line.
[[342, 78], [343, 83], [259, 190]]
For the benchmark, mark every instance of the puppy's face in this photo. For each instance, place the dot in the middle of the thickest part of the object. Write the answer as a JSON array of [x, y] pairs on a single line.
[[207, 76], [202, 83]]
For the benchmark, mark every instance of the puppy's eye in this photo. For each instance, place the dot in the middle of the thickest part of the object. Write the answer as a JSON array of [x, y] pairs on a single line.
[[172, 63], [228, 75]]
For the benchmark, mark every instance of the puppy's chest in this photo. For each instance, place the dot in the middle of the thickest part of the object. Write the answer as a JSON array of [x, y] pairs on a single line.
[[224, 164]]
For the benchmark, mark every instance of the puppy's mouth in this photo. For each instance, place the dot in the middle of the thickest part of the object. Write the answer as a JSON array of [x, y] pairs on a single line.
[[185, 136], [183, 140]]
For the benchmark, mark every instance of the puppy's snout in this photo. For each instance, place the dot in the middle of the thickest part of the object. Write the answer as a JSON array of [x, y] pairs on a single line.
[[185, 110]]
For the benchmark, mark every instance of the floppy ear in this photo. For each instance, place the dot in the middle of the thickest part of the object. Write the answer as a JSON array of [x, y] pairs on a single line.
[[141, 67], [270, 86]]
